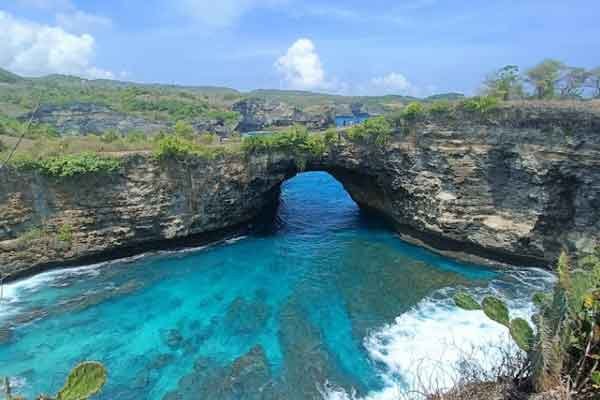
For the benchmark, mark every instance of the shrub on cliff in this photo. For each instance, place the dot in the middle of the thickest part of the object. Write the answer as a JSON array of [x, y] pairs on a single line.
[[174, 146], [505, 83], [440, 107], [375, 130], [70, 165], [296, 140], [331, 136], [413, 111], [481, 104], [184, 130]]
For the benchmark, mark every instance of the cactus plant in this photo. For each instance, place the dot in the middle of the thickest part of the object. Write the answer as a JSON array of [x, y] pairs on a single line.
[[496, 310], [539, 299], [466, 302], [522, 333], [84, 381]]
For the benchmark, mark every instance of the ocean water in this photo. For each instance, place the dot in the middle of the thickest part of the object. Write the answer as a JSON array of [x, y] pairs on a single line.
[[324, 302]]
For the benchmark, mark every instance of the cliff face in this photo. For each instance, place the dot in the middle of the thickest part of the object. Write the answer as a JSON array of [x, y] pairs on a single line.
[[512, 187], [89, 118], [46, 222], [258, 114]]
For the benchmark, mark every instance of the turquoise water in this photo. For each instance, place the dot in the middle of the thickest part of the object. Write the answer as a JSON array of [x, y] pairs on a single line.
[[349, 120], [323, 302]]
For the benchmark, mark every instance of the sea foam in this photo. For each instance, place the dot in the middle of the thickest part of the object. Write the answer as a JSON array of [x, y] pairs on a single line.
[[420, 351]]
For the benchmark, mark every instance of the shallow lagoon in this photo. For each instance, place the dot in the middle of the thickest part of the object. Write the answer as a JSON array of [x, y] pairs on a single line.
[[323, 302]]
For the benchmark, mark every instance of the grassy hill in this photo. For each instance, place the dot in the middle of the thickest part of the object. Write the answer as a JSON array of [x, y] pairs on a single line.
[[207, 106], [8, 77]]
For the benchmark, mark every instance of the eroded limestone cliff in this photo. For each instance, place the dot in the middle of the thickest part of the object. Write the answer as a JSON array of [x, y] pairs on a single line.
[[512, 186]]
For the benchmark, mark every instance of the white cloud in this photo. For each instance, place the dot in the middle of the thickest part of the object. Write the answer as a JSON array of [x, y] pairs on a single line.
[[32, 49], [392, 83], [82, 22], [301, 66], [221, 13]]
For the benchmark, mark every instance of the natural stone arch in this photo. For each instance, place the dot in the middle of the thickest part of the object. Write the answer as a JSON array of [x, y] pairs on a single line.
[[514, 188]]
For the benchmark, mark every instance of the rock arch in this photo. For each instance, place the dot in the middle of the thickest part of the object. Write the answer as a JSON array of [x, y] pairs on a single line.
[[511, 188]]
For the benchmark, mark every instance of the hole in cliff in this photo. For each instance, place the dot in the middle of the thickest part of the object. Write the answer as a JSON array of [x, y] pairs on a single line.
[[312, 203]]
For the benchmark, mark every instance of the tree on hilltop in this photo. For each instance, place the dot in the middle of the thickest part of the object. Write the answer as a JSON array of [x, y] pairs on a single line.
[[505, 83]]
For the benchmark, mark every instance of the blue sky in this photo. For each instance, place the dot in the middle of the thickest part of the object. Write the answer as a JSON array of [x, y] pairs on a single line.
[[356, 47]]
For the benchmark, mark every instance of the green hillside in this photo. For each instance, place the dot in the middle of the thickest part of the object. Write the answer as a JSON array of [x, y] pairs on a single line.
[[8, 77]]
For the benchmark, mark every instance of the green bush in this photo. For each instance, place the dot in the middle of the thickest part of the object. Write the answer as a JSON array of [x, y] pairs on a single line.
[[316, 144], [184, 130], [70, 165], [481, 104], [296, 140], [409, 114], [331, 137], [413, 111], [440, 107], [65, 233], [172, 146], [375, 130]]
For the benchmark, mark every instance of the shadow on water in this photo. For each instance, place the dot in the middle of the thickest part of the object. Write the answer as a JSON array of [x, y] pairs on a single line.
[[277, 315]]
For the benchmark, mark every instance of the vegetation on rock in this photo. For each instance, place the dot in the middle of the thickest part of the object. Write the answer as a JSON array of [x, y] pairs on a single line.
[[375, 130], [296, 140], [70, 165], [176, 146], [481, 104]]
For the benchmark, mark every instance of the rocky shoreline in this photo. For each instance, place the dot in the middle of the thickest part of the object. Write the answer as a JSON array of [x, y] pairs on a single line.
[[514, 187]]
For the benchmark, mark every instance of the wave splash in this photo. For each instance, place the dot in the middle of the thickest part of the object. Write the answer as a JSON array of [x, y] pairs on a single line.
[[421, 350]]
